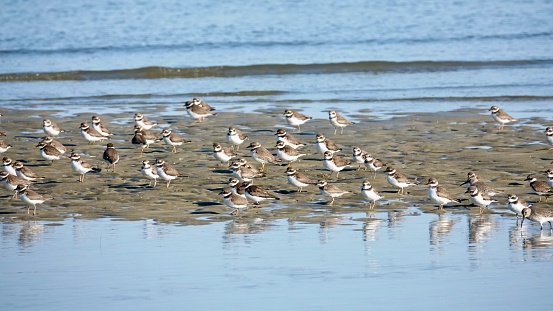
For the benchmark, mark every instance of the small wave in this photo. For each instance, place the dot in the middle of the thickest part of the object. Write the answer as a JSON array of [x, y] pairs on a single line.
[[268, 69]]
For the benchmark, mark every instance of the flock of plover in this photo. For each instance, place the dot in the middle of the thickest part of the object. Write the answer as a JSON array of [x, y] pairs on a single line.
[[241, 192]]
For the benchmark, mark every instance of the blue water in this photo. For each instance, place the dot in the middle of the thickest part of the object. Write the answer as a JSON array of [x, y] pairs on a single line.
[[388, 57]]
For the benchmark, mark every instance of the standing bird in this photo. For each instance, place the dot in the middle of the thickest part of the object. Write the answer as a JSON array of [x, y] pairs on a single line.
[[142, 137], [172, 139], [539, 215], [166, 171], [100, 127], [257, 194], [295, 118], [4, 147], [501, 116], [234, 201], [330, 190], [11, 182], [245, 172], [49, 153], [30, 197], [8, 166], [368, 192], [82, 167], [90, 134], [397, 180], [298, 179], [235, 137], [516, 205], [149, 172], [288, 139], [237, 187], [287, 153], [54, 143], [359, 157], [549, 177], [50, 128], [334, 163], [25, 172], [438, 194], [541, 188], [222, 153], [324, 144], [197, 112], [472, 180], [202, 104], [479, 199], [261, 154], [373, 164], [111, 156], [143, 122], [338, 121], [549, 136]]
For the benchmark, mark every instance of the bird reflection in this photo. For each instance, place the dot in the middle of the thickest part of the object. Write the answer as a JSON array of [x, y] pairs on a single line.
[[516, 234], [370, 226], [480, 227], [440, 228], [29, 233], [242, 228], [539, 240], [326, 224]]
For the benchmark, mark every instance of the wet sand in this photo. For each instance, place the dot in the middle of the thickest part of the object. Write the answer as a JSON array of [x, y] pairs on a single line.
[[422, 145]]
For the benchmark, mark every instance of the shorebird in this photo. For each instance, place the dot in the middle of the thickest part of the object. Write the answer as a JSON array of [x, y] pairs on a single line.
[[90, 134], [359, 157], [549, 136], [516, 205], [30, 197], [234, 201], [438, 194], [373, 164], [166, 171], [4, 147], [111, 156], [235, 137], [287, 153], [10, 182], [369, 193], [478, 199], [172, 139], [8, 165], [288, 139], [143, 122], [324, 144], [82, 167], [541, 188], [142, 137], [298, 179], [50, 128], [149, 172], [100, 127], [222, 153], [262, 155], [49, 153], [54, 143], [501, 116], [396, 179], [330, 190], [539, 215], [334, 163], [473, 180], [25, 172], [245, 173], [202, 104], [295, 118], [237, 187], [338, 121], [197, 111], [258, 194]]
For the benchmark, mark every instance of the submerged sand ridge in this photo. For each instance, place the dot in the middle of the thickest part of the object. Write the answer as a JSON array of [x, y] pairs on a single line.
[[420, 145]]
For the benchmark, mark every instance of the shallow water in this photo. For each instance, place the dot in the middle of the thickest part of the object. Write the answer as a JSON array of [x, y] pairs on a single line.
[[384, 259]]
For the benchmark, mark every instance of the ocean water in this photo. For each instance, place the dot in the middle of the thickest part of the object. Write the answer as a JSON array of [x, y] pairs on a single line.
[[389, 57]]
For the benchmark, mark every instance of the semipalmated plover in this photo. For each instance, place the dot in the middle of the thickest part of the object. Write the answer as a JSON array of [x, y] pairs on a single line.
[[549, 177], [245, 173], [222, 153], [479, 199], [258, 194], [166, 171], [396, 179], [541, 188], [143, 138], [50, 128], [235, 137], [10, 182], [334, 163], [330, 190], [205, 106], [90, 134], [197, 112], [473, 180], [298, 179], [338, 121], [54, 143], [4, 147], [295, 118], [8, 166], [100, 127], [261, 154], [288, 139], [49, 153], [372, 163], [501, 116], [359, 157], [81, 166], [438, 194], [324, 144], [549, 136], [25, 172], [173, 139], [149, 172], [515, 204], [237, 187], [287, 153], [30, 197], [234, 201], [110, 156], [370, 194], [143, 122]]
